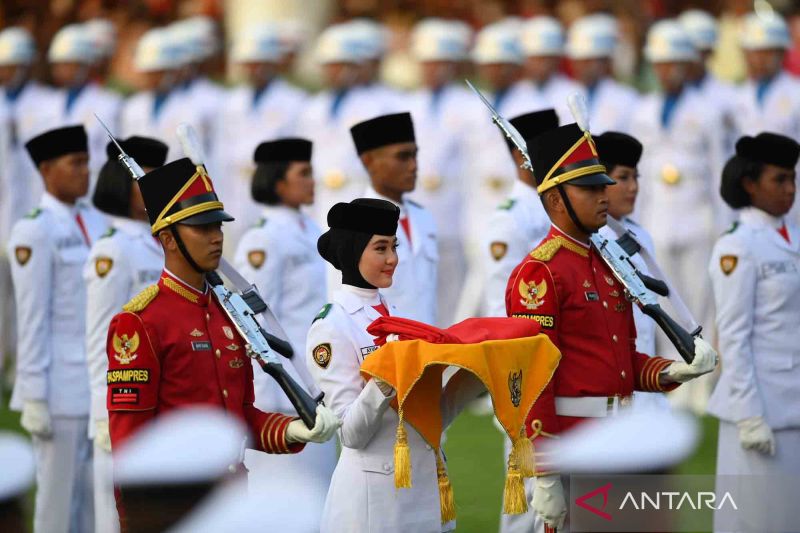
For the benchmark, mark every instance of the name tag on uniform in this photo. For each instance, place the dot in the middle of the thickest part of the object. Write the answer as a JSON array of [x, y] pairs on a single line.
[[201, 346], [366, 350], [777, 267], [69, 242], [592, 296]]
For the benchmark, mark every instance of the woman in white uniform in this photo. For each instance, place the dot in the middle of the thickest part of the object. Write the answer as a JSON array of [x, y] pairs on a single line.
[[361, 244], [755, 271], [279, 254], [121, 264]]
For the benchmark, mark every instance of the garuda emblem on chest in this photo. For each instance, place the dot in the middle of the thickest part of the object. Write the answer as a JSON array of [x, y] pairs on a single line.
[[532, 293], [125, 348]]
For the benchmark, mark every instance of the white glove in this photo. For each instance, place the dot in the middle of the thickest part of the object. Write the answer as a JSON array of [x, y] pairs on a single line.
[[36, 419], [385, 388], [755, 434], [705, 360], [548, 500], [325, 427], [102, 436]]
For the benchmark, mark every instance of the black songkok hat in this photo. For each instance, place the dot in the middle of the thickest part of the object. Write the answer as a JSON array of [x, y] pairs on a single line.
[[382, 131], [530, 125], [769, 148], [618, 149], [55, 143], [146, 151], [180, 192], [566, 155], [283, 150]]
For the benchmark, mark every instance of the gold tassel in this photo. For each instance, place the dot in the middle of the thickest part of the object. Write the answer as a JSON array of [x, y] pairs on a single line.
[[514, 501], [447, 501], [523, 453], [402, 457]]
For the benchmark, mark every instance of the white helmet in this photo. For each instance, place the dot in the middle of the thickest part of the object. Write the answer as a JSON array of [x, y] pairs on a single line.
[[592, 36], [157, 50], [668, 41], [197, 36], [72, 43], [701, 27], [16, 47], [497, 43], [371, 36], [104, 36], [542, 36], [436, 39], [764, 31], [261, 43], [294, 34], [338, 44]]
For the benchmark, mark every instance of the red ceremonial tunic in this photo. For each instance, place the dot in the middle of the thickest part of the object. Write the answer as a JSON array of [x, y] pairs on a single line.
[[177, 347], [567, 288]]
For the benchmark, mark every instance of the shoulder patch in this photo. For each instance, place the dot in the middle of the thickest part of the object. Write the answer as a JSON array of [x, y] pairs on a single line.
[[323, 312], [103, 265], [109, 232], [727, 263], [733, 228], [322, 354], [256, 258], [141, 300], [548, 249], [35, 212], [508, 204], [498, 249]]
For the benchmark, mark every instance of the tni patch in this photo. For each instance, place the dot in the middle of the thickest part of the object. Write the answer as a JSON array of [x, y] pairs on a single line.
[[124, 395]]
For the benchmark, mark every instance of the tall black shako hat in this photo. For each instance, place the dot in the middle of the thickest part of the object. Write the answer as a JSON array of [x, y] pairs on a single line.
[[383, 131], [146, 151], [352, 226], [615, 148], [283, 150], [769, 148], [533, 124], [55, 143], [181, 192], [566, 155]]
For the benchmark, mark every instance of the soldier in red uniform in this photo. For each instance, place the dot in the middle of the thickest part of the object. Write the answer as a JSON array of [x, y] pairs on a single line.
[[565, 286], [174, 345]]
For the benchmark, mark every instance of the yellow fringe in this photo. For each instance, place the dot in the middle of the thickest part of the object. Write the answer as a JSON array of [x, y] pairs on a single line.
[[402, 458], [447, 501], [514, 500], [523, 453]]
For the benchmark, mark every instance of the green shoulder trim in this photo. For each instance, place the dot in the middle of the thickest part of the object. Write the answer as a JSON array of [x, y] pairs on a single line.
[[261, 223], [35, 212], [733, 228], [508, 204], [141, 300], [415, 204], [323, 312], [109, 232]]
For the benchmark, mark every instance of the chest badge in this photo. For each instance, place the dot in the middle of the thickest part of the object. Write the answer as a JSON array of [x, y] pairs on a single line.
[[515, 387], [322, 354], [196, 333], [232, 347], [532, 293], [228, 332], [614, 293], [587, 284], [125, 348], [620, 307], [609, 280], [236, 362]]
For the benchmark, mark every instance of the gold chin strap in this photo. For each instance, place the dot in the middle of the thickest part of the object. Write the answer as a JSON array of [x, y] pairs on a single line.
[[551, 181], [163, 221]]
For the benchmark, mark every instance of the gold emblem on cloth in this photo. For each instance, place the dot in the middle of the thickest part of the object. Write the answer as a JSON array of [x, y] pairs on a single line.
[[125, 348]]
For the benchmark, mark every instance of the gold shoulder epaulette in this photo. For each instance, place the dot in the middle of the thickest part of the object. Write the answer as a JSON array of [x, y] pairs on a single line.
[[548, 249], [141, 300]]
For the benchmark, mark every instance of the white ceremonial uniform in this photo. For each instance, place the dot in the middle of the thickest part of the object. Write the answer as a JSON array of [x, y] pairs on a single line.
[[48, 251], [555, 92], [337, 168], [92, 99], [723, 95], [7, 209], [279, 255], [758, 304], [121, 263], [777, 111], [413, 289], [514, 229], [362, 497], [440, 128], [610, 106], [242, 123], [680, 172]]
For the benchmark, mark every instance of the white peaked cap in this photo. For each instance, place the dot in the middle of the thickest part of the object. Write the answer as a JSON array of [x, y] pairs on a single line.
[[258, 43], [72, 43], [372, 36], [542, 36], [16, 46], [637, 440], [197, 36], [592, 36], [339, 44], [435, 39], [701, 27], [498, 43], [668, 41], [764, 31], [16, 464], [157, 49], [104, 36], [189, 445]]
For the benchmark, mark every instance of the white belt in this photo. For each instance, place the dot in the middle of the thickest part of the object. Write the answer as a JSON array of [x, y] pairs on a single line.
[[591, 406]]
